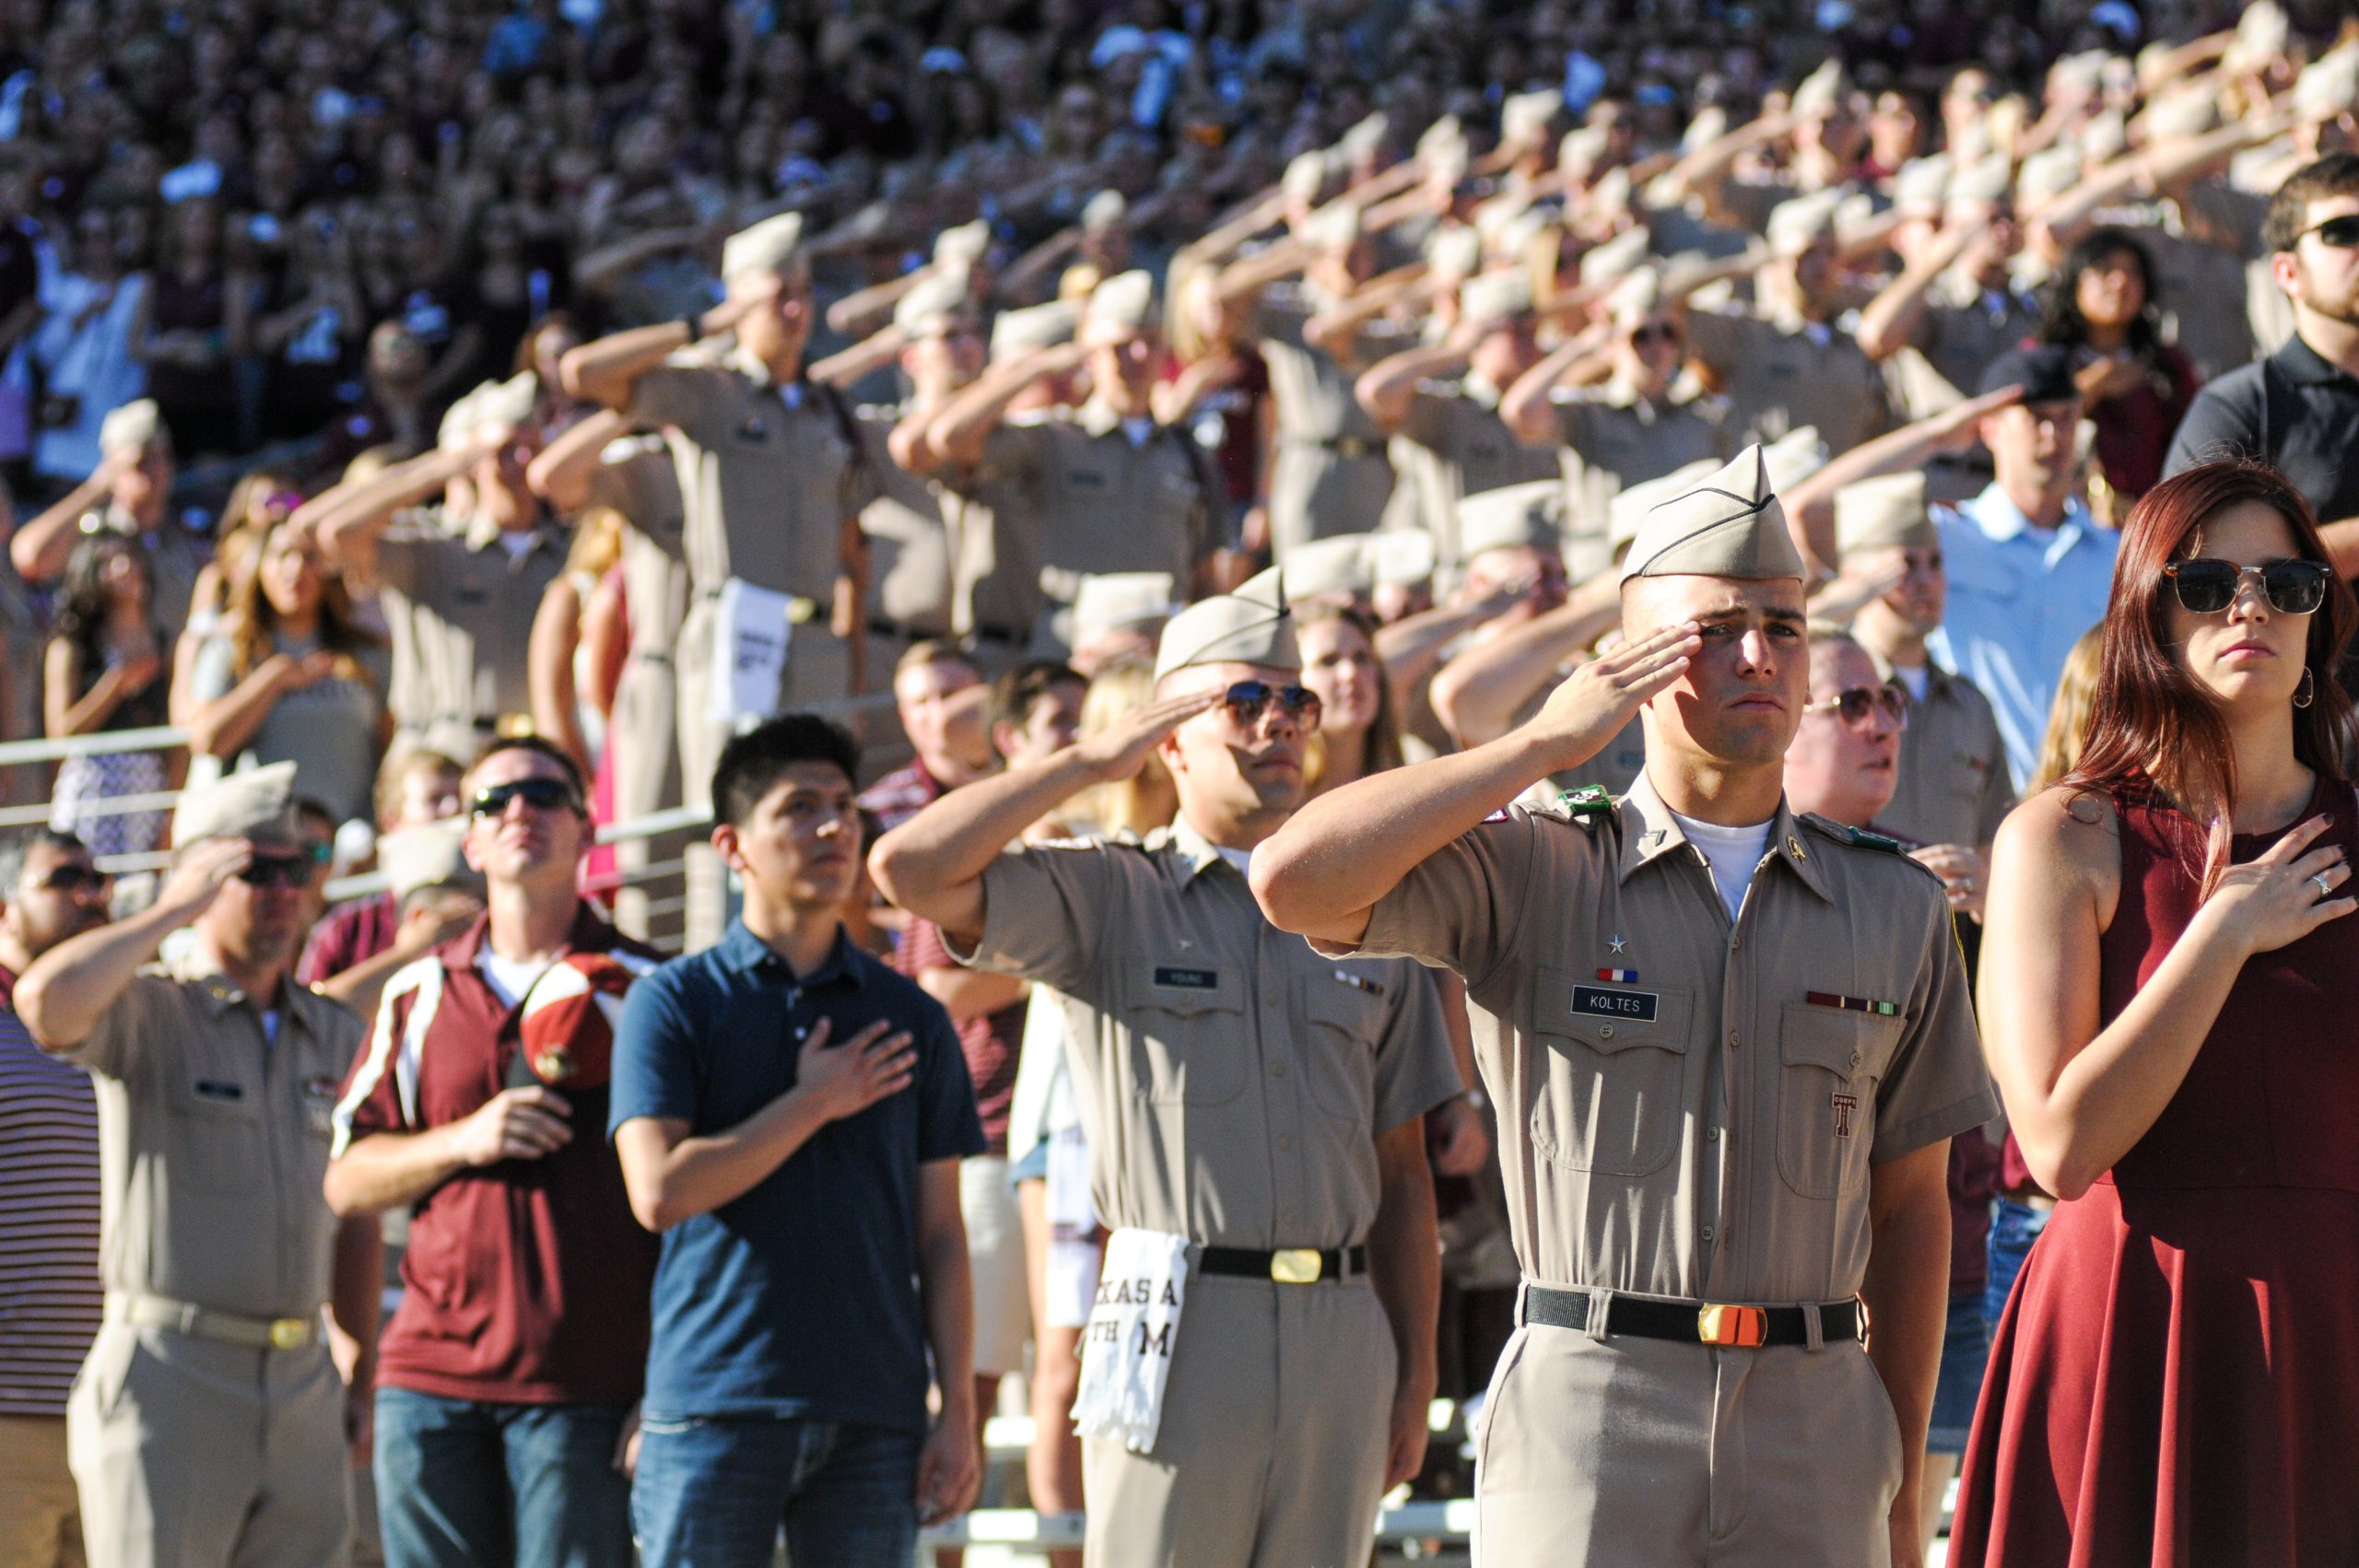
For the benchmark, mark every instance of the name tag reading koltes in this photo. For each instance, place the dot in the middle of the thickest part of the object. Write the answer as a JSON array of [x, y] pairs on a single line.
[[1599, 1003]]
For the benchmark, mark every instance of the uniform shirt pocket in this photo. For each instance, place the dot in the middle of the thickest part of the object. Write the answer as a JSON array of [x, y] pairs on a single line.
[[1610, 1081], [1831, 1061], [214, 1138], [1343, 1016], [1187, 1040]]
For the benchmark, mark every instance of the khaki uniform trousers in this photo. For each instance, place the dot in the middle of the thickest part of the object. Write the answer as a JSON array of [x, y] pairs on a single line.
[[1632, 1453], [1271, 1452], [189, 1453], [39, 1521], [644, 738]]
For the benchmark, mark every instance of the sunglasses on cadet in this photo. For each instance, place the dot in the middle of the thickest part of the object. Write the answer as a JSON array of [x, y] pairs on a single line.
[[2206, 587], [279, 870], [1643, 337], [541, 794], [71, 880], [1249, 700], [2342, 233], [1854, 704]]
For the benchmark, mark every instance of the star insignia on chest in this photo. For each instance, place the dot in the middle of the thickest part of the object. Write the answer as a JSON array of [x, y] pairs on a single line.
[[1617, 944]]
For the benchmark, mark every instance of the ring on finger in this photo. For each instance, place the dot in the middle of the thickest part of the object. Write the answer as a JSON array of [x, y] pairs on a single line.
[[2325, 888]]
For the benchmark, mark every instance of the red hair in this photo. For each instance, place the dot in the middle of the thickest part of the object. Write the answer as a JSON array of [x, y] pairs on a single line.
[[2152, 720]]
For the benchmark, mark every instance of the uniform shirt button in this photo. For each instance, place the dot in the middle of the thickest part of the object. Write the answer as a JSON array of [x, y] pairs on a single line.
[[1711, 1135], [1606, 1033], [1855, 1059], [1707, 1233], [1732, 1039], [1277, 1069], [1285, 1143]]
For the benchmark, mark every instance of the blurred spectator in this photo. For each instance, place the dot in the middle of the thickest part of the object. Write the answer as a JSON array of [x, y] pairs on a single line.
[[105, 669], [411, 790], [2103, 309], [49, 1208], [84, 352], [942, 701]]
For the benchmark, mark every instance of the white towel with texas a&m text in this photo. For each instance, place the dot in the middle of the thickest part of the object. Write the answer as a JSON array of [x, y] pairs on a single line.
[[1126, 1353]]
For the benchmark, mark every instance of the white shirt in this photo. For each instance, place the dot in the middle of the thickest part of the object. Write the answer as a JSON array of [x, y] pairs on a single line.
[[1915, 677], [1732, 853], [510, 978]]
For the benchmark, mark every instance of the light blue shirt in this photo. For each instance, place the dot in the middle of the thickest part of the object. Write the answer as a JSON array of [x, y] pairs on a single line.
[[2020, 597]]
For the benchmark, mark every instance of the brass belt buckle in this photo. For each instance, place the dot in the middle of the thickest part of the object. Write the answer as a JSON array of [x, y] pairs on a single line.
[[1742, 1327], [1296, 1265], [289, 1333]]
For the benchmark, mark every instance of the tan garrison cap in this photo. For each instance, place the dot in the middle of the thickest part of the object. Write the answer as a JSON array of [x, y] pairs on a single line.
[[1034, 327], [2329, 86], [1495, 298], [1582, 147], [1119, 601], [507, 402], [2049, 173], [1341, 563], [1403, 557], [942, 292], [1305, 177], [1794, 457], [1886, 511], [1526, 114], [1442, 134], [458, 420], [1730, 525], [1251, 626], [1795, 225], [1456, 251], [773, 245], [962, 246], [427, 855], [136, 424], [2084, 72], [1361, 141], [2104, 136], [1603, 264], [256, 804], [1335, 227], [1922, 182], [1634, 297], [1631, 507], [1984, 180], [1124, 302], [1819, 90], [1711, 123], [1510, 517], [2190, 112], [1103, 211]]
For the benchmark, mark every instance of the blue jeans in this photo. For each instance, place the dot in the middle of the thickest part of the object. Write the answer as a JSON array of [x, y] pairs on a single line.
[[462, 1483], [1965, 1354], [2012, 1230], [712, 1492]]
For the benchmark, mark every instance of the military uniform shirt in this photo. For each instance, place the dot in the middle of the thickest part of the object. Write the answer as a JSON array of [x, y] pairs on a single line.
[[461, 612], [1330, 473], [997, 572], [213, 1141], [766, 475], [1611, 439], [1109, 499], [1952, 786], [911, 544], [1781, 374], [1962, 328], [1453, 444], [1231, 1081], [636, 477], [1687, 1109]]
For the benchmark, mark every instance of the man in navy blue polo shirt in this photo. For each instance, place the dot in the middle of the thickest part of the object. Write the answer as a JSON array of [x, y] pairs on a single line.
[[790, 1115]]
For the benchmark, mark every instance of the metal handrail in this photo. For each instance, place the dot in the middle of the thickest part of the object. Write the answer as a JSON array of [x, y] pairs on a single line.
[[99, 742]]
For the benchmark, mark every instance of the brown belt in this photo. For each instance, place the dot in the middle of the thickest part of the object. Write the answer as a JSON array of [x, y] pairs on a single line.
[[143, 1311]]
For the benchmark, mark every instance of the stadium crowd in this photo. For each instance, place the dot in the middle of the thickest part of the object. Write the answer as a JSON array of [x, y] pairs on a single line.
[[1834, 525]]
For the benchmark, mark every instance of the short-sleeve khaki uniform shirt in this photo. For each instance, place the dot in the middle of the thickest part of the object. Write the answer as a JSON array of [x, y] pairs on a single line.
[[1453, 444], [1781, 374], [1953, 786], [1330, 474], [461, 608]]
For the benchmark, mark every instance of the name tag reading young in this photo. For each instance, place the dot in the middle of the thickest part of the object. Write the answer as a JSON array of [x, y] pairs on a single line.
[[1600, 1002], [750, 632], [1126, 1349]]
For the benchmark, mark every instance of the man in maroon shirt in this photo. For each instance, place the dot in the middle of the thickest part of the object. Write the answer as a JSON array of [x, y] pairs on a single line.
[[507, 1376]]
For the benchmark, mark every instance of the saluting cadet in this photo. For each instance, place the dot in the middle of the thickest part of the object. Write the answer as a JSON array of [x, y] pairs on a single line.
[[1728, 1064], [1260, 1358], [208, 1426]]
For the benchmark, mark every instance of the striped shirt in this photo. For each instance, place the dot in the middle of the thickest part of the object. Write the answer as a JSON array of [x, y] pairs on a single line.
[[49, 1220]]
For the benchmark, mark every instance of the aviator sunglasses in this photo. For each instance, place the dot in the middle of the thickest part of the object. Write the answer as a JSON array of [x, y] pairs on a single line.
[[2206, 587], [541, 794], [2342, 233], [1249, 700], [1854, 704]]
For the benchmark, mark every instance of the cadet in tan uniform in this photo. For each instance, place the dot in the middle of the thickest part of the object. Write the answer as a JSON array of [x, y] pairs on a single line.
[[209, 1425], [1449, 441], [1787, 364], [1114, 490], [460, 592], [1953, 786], [1728, 1046], [1245, 1099], [130, 493], [771, 476]]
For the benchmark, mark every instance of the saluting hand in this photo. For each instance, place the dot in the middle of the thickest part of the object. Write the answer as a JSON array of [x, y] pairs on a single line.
[[1592, 704], [871, 1066], [2283, 896], [1119, 751], [197, 878]]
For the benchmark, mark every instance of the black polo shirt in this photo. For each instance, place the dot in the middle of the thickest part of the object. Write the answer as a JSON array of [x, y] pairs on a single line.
[[2293, 411]]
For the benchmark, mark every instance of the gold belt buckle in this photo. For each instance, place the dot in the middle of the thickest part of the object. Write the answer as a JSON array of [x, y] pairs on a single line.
[[289, 1333], [1742, 1327], [1296, 1265]]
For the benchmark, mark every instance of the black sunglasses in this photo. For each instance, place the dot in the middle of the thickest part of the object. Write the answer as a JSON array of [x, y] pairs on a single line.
[[2342, 233], [1662, 331], [75, 879], [1854, 704], [278, 870], [2206, 587], [1249, 700], [541, 794]]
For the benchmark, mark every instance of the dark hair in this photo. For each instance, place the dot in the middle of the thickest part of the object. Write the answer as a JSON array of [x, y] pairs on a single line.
[[539, 746], [307, 806], [1020, 685], [2060, 313], [81, 614], [2336, 174], [17, 848], [2149, 720], [751, 763]]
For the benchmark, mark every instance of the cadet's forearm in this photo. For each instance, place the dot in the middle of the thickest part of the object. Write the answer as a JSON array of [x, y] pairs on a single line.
[[1328, 866], [562, 474], [39, 549], [1404, 1254], [1388, 387], [1527, 409], [605, 372], [933, 865], [1479, 693], [847, 366], [368, 509], [389, 1170], [1906, 1289], [69, 988]]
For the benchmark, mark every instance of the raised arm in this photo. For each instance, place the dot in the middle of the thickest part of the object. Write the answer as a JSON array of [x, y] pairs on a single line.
[[1479, 693], [563, 471], [1240, 280], [1891, 320], [864, 309], [1809, 505], [1324, 872], [1700, 173], [606, 369], [1331, 330], [39, 549], [871, 353], [1388, 389], [69, 988], [350, 516], [957, 435], [1528, 408]]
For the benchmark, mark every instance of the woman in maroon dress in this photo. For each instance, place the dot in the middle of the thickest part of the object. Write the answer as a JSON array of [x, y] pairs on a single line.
[[2167, 995]]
